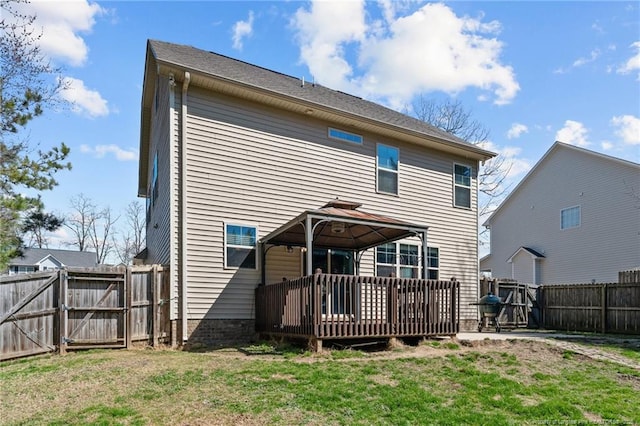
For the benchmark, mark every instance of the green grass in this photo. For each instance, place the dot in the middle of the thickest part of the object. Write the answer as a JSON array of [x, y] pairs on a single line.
[[456, 386]]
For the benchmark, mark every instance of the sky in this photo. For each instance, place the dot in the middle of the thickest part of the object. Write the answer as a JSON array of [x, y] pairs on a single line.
[[530, 72]]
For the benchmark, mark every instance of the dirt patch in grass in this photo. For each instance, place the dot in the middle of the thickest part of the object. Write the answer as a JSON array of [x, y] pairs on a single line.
[[451, 381]]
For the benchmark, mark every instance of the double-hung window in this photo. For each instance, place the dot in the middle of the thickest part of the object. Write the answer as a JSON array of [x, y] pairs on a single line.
[[433, 263], [403, 260], [387, 169], [240, 246], [570, 217], [461, 186]]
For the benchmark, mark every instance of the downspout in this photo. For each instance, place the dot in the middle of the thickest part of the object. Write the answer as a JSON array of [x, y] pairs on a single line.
[[183, 204]]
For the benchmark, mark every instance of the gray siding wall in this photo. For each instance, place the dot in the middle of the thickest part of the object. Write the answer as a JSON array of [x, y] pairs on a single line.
[[257, 166], [608, 239], [522, 268]]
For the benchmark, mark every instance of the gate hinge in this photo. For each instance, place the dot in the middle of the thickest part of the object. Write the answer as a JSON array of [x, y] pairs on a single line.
[[65, 307], [65, 340]]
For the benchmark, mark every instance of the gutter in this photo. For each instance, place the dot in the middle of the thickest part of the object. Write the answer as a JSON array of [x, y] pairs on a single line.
[[183, 205]]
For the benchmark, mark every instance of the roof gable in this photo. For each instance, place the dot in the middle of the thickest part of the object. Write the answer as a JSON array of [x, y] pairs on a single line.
[[531, 252], [35, 256], [219, 72], [555, 148]]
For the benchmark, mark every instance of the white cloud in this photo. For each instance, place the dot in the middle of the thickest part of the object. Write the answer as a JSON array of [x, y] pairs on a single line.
[[322, 34], [628, 128], [606, 145], [448, 53], [633, 63], [512, 164], [242, 30], [83, 100], [60, 23], [573, 133], [583, 61], [99, 151], [516, 130]]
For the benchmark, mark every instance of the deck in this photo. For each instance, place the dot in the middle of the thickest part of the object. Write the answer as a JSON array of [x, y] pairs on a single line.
[[326, 307]]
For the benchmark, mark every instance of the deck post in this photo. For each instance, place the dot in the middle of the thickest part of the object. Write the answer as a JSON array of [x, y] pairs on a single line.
[[315, 344], [425, 256]]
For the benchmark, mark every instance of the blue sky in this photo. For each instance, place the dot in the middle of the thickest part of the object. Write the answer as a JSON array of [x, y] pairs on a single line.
[[531, 72]]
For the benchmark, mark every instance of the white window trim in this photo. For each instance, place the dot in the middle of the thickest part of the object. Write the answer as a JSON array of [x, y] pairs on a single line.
[[224, 233], [439, 258], [579, 207], [397, 172], [453, 180], [344, 139], [396, 265]]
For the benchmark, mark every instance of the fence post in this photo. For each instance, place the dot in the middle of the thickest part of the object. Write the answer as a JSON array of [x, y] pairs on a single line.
[[63, 313], [603, 318], [128, 301], [155, 314]]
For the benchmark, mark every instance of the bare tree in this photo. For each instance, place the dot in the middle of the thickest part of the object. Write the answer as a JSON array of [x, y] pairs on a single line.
[[100, 234], [80, 221], [452, 117], [91, 227], [132, 240]]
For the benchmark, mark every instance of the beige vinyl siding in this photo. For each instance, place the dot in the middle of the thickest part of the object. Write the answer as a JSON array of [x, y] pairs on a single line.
[[608, 238], [175, 128], [159, 225], [162, 228], [256, 166], [281, 264]]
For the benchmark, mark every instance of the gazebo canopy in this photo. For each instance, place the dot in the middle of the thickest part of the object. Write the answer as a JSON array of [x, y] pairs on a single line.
[[339, 225]]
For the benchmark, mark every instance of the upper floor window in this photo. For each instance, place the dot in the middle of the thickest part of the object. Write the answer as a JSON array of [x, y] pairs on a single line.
[[570, 217], [461, 186], [387, 166], [240, 246], [344, 136]]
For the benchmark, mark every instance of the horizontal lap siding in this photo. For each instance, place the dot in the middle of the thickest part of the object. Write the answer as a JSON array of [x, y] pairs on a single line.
[[606, 241], [162, 239], [251, 165]]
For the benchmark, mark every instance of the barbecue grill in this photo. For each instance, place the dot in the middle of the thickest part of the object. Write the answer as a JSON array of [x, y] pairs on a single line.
[[489, 308]]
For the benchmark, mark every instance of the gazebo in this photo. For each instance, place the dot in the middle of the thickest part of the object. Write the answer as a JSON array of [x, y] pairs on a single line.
[[324, 306]]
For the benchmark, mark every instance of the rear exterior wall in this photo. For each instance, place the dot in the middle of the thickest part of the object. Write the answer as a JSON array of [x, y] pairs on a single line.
[[252, 165]]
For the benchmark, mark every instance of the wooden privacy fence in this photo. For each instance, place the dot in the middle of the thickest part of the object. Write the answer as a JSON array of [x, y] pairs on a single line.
[[78, 308], [519, 302], [326, 306], [600, 308]]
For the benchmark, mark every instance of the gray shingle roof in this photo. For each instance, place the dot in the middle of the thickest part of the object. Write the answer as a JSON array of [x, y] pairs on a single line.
[[235, 70], [80, 259]]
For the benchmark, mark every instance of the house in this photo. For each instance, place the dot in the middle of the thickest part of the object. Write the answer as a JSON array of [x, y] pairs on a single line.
[[253, 177], [39, 259], [574, 218]]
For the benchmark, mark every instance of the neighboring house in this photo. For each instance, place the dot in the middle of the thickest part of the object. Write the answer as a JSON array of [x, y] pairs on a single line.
[[38, 259], [235, 159], [574, 218]]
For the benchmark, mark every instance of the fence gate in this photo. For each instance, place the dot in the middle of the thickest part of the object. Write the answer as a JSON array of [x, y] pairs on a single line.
[[27, 314], [93, 309]]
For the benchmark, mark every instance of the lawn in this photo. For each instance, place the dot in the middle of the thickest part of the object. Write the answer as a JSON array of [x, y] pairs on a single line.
[[509, 382]]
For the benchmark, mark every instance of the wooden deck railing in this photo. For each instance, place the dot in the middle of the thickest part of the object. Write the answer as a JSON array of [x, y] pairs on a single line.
[[325, 306]]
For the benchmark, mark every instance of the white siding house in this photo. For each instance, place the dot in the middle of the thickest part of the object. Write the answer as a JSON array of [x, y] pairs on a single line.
[[229, 152], [574, 218]]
